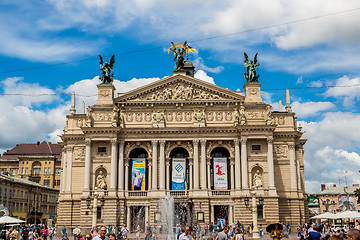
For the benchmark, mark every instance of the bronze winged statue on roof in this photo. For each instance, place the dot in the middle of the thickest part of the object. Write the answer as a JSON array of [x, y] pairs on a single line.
[[107, 70], [251, 67]]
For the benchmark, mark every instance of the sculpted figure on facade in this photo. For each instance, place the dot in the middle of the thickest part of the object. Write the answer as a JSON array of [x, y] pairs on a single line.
[[158, 116], [257, 179], [242, 117], [268, 116], [236, 117], [88, 116], [115, 116], [199, 115], [100, 182]]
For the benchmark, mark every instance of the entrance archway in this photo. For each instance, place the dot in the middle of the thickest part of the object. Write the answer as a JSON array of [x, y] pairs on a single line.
[[220, 171], [138, 170]]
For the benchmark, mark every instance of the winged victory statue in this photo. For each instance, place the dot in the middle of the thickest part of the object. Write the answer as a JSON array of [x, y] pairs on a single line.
[[251, 67], [107, 70]]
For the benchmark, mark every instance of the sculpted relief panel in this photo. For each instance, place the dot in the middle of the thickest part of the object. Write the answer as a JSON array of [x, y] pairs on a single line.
[[280, 151], [179, 91], [79, 153]]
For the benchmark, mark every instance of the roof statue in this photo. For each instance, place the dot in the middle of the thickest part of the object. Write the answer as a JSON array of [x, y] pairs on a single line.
[[179, 55], [107, 70], [251, 67]]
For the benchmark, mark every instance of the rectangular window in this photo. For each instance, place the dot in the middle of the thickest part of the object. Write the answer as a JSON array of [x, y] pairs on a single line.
[[49, 170], [37, 172], [57, 182], [58, 171], [260, 212], [101, 149], [5, 193], [26, 170], [98, 213], [45, 170], [46, 182], [13, 171], [23, 171], [37, 180], [256, 147]]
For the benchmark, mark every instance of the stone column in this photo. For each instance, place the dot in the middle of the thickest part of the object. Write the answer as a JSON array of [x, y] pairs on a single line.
[[113, 179], [168, 180], [212, 216], [127, 176], [69, 155], [87, 168], [292, 167], [128, 217], [154, 163], [196, 164], [203, 163], [191, 180], [146, 215], [244, 164], [237, 165], [121, 166], [162, 165], [63, 170], [232, 177], [271, 163], [231, 215], [208, 175], [150, 176], [298, 174]]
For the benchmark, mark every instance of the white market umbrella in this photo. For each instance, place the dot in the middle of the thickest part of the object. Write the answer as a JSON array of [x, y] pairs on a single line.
[[10, 220], [324, 216], [348, 214]]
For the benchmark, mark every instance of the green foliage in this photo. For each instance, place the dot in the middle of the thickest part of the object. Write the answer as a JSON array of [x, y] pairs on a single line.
[[357, 194]]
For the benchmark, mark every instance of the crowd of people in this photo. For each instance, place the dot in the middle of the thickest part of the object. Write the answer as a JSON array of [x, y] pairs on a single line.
[[327, 232], [29, 233]]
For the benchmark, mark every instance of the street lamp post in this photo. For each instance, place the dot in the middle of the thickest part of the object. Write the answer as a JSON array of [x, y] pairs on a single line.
[[94, 207], [256, 234]]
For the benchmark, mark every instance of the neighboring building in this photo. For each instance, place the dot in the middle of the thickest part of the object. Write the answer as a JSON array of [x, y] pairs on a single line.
[[135, 149], [329, 197], [38, 162], [26, 199]]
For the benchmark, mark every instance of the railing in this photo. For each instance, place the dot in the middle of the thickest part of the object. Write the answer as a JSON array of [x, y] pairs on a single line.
[[177, 193], [137, 193], [220, 193]]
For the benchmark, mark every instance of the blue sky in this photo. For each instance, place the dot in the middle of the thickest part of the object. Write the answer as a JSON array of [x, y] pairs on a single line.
[[51, 48]]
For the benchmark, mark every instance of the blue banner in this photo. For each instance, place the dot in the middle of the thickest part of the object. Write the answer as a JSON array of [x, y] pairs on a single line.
[[178, 174]]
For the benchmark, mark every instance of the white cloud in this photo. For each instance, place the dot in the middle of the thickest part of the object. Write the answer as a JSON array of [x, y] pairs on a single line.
[[300, 80], [347, 89], [307, 109], [202, 75], [200, 65]]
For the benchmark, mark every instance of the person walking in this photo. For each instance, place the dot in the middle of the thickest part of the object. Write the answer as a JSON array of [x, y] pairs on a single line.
[[102, 234], [315, 235], [223, 234], [238, 235], [187, 234]]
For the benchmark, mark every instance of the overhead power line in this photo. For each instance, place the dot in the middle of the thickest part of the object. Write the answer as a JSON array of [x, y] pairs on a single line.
[[94, 95], [198, 40]]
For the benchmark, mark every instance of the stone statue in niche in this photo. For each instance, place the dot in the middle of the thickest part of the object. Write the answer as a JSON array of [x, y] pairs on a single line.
[[115, 116], [100, 182], [268, 116], [257, 181], [158, 116], [199, 115], [88, 115], [242, 117]]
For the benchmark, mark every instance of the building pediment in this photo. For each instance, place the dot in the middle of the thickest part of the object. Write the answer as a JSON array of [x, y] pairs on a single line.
[[179, 88]]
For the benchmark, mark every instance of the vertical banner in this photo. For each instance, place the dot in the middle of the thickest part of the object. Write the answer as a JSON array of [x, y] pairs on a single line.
[[138, 174], [178, 174], [220, 174]]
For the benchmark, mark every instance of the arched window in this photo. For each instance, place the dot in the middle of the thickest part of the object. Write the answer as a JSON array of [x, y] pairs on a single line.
[[138, 170], [220, 169]]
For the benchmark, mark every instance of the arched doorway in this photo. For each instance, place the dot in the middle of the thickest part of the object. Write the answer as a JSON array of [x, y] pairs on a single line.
[[138, 170], [220, 169]]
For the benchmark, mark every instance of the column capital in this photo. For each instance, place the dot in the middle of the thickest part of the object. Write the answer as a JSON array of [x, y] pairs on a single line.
[[196, 142], [122, 142], [291, 146], [126, 165], [162, 143], [113, 141], [270, 139], [88, 141], [243, 139], [70, 148], [154, 142], [203, 141], [236, 141]]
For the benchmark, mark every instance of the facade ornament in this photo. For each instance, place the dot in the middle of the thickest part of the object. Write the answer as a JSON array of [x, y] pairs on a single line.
[[158, 116], [115, 116], [79, 153], [121, 117], [100, 181], [257, 179], [291, 146], [199, 115], [236, 117], [179, 55], [88, 115], [243, 140], [242, 117], [270, 139]]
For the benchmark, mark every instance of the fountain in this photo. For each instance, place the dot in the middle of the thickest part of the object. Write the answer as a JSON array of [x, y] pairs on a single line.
[[167, 211]]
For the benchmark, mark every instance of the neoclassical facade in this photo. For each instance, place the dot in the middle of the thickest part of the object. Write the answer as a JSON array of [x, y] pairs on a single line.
[[204, 145]]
